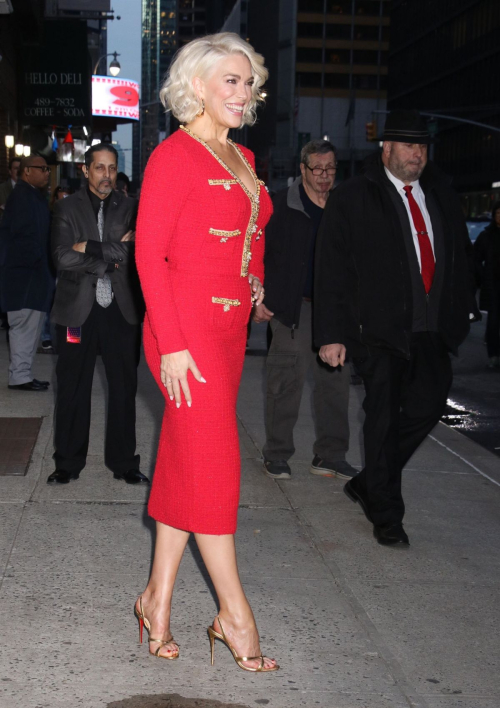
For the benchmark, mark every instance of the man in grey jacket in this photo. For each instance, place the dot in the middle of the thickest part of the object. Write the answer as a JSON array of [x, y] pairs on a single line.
[[289, 260], [98, 308]]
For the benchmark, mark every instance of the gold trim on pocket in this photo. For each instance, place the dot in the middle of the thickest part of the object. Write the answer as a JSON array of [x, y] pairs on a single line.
[[224, 234], [226, 302], [226, 183]]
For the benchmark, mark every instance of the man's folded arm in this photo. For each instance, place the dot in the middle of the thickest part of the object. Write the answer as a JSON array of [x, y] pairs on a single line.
[[64, 255]]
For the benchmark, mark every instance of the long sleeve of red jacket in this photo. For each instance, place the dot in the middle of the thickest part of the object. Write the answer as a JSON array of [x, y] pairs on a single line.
[[168, 180]]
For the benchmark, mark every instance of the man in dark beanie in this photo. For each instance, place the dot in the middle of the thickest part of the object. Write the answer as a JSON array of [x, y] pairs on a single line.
[[395, 292]]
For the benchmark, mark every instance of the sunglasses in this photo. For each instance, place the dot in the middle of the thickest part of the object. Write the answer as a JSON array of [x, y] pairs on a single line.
[[44, 168]]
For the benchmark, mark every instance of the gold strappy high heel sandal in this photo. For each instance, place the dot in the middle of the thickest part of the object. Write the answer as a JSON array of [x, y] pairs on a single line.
[[144, 622], [213, 635]]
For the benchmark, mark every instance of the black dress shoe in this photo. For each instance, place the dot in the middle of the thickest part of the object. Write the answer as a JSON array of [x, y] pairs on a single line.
[[391, 535], [356, 497], [41, 383], [29, 386], [131, 477], [62, 476]]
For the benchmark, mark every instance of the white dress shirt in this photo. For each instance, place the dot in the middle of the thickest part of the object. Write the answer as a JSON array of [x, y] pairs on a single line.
[[419, 197]]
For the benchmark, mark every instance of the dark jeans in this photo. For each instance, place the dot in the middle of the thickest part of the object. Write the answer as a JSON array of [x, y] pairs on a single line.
[[106, 332], [404, 401], [288, 362], [493, 325]]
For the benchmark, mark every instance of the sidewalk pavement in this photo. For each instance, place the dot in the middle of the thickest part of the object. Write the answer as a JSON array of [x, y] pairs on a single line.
[[353, 624]]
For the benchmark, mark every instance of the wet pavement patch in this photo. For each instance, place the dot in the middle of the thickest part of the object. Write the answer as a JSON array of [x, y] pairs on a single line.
[[17, 440], [170, 700], [476, 423]]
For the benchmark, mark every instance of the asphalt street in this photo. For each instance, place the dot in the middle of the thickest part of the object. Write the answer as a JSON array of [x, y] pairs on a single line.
[[474, 401]]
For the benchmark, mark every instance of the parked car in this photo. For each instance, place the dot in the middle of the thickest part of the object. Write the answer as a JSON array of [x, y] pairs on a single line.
[[475, 226]]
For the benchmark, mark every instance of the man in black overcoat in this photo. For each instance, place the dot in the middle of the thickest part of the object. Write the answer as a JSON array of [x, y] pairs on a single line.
[[487, 257], [395, 292], [98, 308], [26, 285]]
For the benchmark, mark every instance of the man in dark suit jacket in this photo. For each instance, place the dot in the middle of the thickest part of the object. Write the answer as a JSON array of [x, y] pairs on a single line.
[[25, 282], [98, 308], [7, 187], [395, 288]]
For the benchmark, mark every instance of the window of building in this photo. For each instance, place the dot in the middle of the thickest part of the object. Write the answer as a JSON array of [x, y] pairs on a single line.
[[335, 31], [338, 56], [370, 82], [366, 33], [340, 7], [309, 55], [309, 80], [310, 6], [337, 81], [371, 7], [365, 56], [309, 29]]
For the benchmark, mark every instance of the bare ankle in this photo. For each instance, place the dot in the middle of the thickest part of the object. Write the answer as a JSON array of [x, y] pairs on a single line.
[[238, 620]]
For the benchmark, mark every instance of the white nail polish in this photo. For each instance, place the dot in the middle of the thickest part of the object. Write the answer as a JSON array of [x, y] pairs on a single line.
[[203, 380], [171, 398], [189, 404], [178, 405]]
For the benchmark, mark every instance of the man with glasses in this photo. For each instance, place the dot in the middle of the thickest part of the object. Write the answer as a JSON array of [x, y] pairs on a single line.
[[289, 260], [26, 284]]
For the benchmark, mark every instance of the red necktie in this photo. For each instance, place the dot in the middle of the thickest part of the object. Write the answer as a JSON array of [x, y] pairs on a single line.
[[426, 254]]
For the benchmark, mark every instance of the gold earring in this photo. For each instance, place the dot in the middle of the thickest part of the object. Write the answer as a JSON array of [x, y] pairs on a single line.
[[202, 109]]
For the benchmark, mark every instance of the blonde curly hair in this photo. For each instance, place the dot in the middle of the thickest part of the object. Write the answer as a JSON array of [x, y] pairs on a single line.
[[196, 59]]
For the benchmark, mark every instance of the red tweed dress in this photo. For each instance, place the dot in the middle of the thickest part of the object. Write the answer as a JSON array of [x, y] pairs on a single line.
[[200, 233]]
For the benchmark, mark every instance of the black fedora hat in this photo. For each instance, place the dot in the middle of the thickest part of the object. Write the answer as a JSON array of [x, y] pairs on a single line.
[[406, 127]]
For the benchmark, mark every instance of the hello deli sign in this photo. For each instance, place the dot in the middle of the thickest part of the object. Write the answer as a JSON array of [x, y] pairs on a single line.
[[115, 98]]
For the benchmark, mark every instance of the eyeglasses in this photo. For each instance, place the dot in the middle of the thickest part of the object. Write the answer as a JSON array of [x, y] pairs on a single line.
[[44, 168], [319, 171]]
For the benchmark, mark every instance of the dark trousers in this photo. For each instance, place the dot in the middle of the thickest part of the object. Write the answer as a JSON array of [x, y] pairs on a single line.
[[404, 401], [493, 325], [288, 362], [106, 332]]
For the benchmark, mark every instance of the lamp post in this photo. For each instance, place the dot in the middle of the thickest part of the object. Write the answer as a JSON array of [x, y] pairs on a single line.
[[114, 67]]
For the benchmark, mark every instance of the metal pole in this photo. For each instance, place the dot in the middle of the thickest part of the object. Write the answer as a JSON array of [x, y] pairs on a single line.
[[351, 79], [379, 53], [323, 59]]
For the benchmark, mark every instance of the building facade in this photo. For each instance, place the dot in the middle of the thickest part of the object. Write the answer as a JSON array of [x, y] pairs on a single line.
[[328, 75], [166, 26], [159, 44], [445, 59], [69, 30]]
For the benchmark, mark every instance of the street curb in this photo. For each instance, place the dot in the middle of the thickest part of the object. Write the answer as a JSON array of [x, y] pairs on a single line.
[[481, 460]]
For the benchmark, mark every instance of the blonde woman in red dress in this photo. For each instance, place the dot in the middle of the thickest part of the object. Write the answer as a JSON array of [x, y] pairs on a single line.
[[199, 251]]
